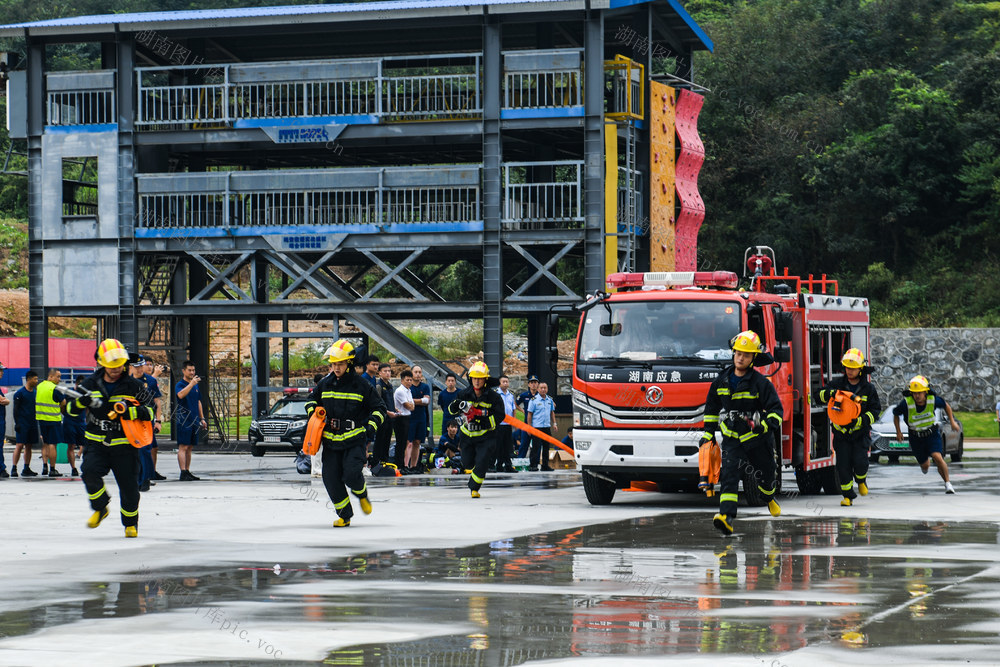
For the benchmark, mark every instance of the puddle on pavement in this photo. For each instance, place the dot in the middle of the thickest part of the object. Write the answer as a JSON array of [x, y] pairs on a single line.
[[650, 586]]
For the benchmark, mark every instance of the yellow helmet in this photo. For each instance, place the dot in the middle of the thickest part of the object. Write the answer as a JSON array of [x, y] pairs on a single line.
[[853, 358], [919, 383], [339, 351], [479, 370], [111, 353], [746, 341]]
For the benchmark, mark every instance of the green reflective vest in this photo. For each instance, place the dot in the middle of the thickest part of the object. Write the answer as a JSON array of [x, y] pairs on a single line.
[[46, 408], [917, 420]]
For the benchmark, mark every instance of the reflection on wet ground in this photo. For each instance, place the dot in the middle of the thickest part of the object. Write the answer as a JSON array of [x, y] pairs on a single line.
[[652, 586]]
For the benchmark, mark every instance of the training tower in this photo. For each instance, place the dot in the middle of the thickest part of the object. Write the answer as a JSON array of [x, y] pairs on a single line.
[[340, 161]]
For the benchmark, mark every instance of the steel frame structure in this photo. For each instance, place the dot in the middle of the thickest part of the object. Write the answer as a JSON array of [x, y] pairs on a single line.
[[522, 110]]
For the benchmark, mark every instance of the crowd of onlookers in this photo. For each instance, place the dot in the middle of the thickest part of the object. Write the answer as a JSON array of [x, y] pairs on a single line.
[[410, 409]]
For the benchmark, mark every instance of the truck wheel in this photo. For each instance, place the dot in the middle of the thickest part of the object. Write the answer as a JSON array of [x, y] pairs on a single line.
[[599, 491], [830, 480], [257, 450], [873, 457], [808, 482], [893, 458], [956, 456]]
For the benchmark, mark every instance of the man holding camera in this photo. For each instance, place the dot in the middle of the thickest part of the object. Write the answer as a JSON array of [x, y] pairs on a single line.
[[189, 418]]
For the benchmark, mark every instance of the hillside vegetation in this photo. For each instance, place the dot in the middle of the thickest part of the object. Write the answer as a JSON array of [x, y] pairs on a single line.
[[858, 138]]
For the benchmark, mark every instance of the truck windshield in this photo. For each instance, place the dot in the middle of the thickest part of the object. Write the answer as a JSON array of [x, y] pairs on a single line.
[[651, 330]]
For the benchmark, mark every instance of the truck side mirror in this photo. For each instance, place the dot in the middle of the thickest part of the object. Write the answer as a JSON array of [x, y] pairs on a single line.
[[782, 353], [782, 327]]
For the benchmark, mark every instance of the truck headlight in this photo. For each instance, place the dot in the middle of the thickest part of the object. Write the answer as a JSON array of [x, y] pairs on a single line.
[[583, 414], [581, 445]]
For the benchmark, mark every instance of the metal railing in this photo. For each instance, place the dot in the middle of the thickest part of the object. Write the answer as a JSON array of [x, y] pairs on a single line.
[[543, 90], [80, 107], [288, 198], [543, 194]]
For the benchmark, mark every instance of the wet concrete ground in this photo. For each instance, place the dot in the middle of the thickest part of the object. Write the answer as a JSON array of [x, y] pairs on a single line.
[[908, 575]]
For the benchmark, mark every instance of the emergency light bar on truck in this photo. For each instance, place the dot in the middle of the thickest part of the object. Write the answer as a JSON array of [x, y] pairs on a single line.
[[665, 279]]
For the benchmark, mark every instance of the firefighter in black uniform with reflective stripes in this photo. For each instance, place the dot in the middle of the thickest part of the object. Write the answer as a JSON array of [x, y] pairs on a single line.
[[107, 447], [354, 413], [850, 442], [743, 404], [484, 412]]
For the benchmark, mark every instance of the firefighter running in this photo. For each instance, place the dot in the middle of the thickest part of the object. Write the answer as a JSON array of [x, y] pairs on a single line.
[[354, 413], [484, 411], [745, 407], [850, 441], [107, 447]]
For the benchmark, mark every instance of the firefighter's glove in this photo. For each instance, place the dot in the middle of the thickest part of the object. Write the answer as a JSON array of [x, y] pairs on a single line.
[[760, 428], [310, 409], [856, 425], [134, 413], [370, 432], [85, 401], [705, 440]]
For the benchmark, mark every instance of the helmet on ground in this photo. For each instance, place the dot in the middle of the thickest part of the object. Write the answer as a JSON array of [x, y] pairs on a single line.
[[919, 383], [111, 353], [853, 358], [339, 351], [479, 370], [746, 341]]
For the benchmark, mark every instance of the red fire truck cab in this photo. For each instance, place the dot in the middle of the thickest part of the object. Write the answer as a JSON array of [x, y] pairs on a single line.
[[647, 354]]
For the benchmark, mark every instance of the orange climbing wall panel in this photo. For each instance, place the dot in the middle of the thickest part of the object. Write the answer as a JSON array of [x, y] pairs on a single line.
[[661, 169], [690, 157]]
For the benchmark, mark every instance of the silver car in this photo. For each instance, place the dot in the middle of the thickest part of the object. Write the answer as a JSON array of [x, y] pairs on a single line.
[[884, 438]]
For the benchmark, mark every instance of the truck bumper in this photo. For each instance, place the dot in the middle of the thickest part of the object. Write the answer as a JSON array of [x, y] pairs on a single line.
[[629, 450]]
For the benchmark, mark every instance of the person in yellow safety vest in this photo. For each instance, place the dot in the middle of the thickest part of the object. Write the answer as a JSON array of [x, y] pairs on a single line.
[[484, 412], [107, 447], [851, 441], [918, 410], [48, 414], [743, 404], [354, 413]]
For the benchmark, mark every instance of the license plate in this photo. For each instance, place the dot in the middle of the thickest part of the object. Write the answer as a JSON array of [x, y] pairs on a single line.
[[899, 445], [271, 438]]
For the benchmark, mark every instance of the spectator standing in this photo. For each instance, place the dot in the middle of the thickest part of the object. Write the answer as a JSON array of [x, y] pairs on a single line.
[[371, 369], [151, 395], [446, 396], [48, 412], [918, 410], [403, 400], [505, 442], [522, 401], [4, 402], [542, 416], [189, 418], [998, 417], [154, 371], [421, 392], [383, 387], [25, 426], [74, 429]]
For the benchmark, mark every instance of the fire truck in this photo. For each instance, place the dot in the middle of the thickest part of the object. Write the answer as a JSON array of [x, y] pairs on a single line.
[[647, 352]]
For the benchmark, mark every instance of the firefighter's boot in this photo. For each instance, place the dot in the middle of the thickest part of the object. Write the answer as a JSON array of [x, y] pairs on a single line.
[[366, 505], [97, 517], [846, 502], [863, 488], [723, 523], [773, 507], [475, 494], [131, 531], [341, 523]]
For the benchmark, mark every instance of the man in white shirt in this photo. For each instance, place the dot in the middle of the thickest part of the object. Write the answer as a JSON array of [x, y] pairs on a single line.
[[505, 444], [401, 424]]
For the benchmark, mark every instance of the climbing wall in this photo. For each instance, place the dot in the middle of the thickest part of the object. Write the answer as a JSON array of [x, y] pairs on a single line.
[[689, 160], [661, 168]]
